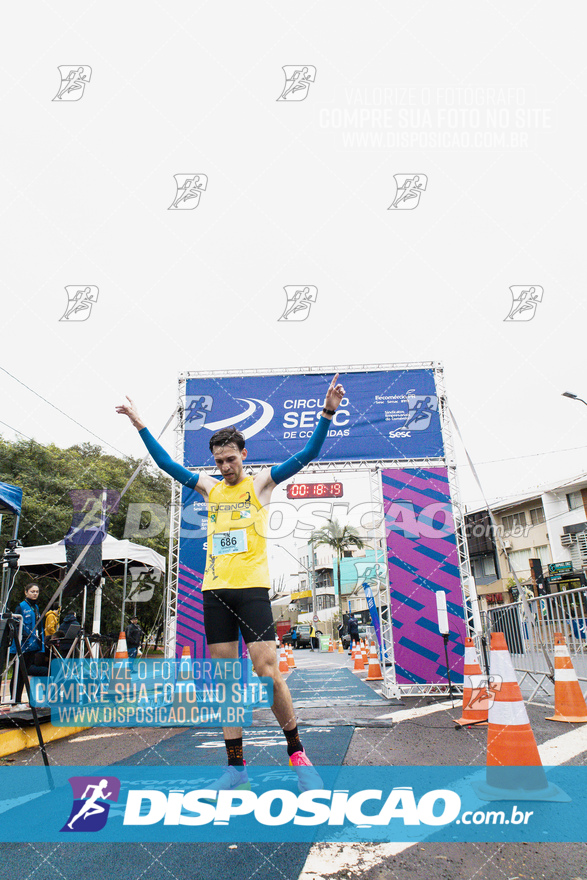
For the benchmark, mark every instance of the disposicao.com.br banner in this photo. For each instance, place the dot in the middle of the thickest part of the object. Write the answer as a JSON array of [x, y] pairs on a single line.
[[368, 804]]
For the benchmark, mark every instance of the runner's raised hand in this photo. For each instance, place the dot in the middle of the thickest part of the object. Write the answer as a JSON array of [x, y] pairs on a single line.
[[129, 409], [334, 394]]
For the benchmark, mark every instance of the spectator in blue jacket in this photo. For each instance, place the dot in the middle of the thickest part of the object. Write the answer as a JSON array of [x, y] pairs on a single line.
[[33, 637]]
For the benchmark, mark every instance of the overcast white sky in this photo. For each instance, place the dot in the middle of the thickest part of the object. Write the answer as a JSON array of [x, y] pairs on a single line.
[[297, 195]]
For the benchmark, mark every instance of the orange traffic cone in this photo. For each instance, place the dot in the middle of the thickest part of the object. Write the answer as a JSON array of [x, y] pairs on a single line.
[[121, 650], [185, 664], [359, 664], [365, 653], [475, 696], [291, 663], [374, 671], [119, 670], [283, 664], [569, 702], [185, 677], [330, 646], [514, 768], [340, 647]]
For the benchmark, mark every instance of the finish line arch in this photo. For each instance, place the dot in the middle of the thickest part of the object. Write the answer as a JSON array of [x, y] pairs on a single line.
[[393, 425]]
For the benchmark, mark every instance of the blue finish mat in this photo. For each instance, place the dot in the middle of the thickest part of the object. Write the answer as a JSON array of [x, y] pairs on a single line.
[[265, 746], [330, 684]]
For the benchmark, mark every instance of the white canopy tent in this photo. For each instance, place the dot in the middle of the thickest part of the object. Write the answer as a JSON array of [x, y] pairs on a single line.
[[49, 559], [112, 550]]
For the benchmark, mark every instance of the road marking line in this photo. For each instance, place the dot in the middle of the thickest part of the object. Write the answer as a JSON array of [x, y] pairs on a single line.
[[407, 714], [78, 739], [563, 748], [327, 859]]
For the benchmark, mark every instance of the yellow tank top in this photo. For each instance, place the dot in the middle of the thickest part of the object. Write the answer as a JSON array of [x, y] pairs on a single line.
[[233, 560]]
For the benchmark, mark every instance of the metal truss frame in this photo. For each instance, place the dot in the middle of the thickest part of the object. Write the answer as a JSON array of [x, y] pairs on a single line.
[[304, 371], [427, 690], [172, 586], [390, 688], [467, 579]]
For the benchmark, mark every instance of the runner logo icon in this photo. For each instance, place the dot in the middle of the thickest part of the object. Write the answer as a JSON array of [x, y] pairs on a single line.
[[197, 407], [79, 302], [297, 82], [409, 189], [524, 302], [74, 79], [90, 807], [420, 409], [189, 188], [299, 302]]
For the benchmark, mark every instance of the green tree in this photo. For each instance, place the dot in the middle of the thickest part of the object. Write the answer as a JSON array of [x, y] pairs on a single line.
[[47, 474], [340, 538]]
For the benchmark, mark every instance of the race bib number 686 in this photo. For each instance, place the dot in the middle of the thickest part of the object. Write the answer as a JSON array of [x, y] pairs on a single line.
[[229, 542]]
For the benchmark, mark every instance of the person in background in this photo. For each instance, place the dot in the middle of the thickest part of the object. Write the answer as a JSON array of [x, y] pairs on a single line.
[[353, 631], [294, 637], [312, 636], [33, 638], [52, 622], [40, 665], [134, 637]]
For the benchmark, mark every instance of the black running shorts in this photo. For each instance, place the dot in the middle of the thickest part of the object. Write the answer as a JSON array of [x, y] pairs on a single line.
[[228, 611]]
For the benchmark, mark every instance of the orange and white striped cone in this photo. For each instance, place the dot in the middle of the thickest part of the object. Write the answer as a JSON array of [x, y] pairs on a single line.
[[569, 702], [514, 767], [120, 668], [359, 662], [283, 664], [365, 653], [374, 671], [330, 646], [185, 677], [121, 649], [291, 663], [475, 697], [340, 647]]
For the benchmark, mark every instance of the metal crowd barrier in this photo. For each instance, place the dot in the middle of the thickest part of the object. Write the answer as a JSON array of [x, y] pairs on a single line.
[[529, 641]]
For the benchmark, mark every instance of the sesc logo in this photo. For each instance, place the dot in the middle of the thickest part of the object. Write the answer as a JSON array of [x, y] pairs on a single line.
[[395, 434]]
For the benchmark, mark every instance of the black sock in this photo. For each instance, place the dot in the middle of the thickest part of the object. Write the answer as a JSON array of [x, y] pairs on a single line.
[[234, 750], [293, 741]]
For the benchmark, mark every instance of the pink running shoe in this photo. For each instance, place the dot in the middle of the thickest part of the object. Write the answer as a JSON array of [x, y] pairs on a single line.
[[231, 780], [308, 777]]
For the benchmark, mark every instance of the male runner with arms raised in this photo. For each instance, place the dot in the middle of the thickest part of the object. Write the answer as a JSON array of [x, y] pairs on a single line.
[[236, 583]]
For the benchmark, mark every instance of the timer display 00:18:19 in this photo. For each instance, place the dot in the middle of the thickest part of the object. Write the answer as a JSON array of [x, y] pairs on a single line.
[[314, 490]]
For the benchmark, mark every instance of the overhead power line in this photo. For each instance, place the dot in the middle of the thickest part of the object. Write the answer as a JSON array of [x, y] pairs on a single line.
[[71, 419]]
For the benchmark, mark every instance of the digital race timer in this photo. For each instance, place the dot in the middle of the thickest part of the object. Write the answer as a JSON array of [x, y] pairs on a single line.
[[314, 490]]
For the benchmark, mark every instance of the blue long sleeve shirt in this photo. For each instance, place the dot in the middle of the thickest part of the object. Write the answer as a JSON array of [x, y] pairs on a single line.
[[279, 472]]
